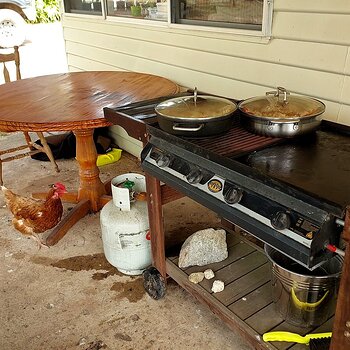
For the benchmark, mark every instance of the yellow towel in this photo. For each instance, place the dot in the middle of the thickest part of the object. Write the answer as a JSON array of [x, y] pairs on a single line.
[[109, 158]]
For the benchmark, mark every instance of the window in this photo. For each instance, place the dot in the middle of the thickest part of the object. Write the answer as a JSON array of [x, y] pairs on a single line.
[[142, 9], [252, 15], [247, 14], [89, 7]]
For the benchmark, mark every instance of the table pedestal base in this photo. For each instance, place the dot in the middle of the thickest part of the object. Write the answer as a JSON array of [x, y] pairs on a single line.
[[92, 193], [77, 213]]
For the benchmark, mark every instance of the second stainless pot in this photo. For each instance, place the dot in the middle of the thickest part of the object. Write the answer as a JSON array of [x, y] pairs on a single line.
[[195, 116], [279, 115], [283, 128]]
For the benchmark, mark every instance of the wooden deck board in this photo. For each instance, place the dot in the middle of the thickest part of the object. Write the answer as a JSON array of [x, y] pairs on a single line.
[[265, 319], [238, 269], [244, 285], [246, 302], [253, 302], [232, 239]]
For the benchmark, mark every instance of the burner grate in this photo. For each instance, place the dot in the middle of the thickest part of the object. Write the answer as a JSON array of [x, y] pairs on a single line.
[[236, 142]]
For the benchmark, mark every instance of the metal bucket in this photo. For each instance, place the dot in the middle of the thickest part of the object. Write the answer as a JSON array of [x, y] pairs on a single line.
[[302, 297]]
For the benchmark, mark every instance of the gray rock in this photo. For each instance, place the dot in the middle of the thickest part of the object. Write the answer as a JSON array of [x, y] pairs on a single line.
[[203, 247]]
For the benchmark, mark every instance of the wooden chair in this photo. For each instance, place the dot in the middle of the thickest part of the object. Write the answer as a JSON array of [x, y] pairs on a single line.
[[31, 147]]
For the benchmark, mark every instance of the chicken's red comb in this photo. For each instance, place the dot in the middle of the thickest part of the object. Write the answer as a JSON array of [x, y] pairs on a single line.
[[60, 186]]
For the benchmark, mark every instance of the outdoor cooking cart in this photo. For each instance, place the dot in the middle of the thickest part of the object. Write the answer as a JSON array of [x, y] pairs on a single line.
[[278, 211]]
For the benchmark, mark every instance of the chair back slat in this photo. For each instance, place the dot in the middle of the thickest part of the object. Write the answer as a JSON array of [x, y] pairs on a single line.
[[6, 74], [9, 57]]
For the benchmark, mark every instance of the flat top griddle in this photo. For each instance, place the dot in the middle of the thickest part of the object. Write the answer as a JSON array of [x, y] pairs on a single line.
[[318, 163]]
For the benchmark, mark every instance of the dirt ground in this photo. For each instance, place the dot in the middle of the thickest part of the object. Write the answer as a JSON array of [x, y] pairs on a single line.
[[70, 297]]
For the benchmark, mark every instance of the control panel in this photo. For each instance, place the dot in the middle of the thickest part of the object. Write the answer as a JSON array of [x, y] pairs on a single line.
[[270, 213]]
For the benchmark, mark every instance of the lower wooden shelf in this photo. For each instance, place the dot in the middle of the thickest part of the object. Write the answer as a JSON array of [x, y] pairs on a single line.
[[246, 303]]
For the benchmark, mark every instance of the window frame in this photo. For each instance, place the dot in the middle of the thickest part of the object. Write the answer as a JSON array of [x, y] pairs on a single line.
[[239, 30]]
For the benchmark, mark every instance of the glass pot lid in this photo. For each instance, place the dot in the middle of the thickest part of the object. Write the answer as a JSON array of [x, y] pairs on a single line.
[[281, 105], [194, 107]]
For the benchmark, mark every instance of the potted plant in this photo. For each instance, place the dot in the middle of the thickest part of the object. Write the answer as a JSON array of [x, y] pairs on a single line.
[[136, 10]]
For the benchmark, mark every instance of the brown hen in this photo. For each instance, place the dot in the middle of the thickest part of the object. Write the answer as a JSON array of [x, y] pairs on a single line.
[[32, 216]]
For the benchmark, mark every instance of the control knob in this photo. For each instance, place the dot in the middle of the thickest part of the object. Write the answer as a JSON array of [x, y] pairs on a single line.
[[194, 176], [163, 160], [280, 220], [233, 195]]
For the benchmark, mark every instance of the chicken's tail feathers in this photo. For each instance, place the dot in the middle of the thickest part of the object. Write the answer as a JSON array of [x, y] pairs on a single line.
[[4, 190], [7, 193]]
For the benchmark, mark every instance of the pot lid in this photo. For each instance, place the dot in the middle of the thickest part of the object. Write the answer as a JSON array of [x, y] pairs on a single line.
[[194, 107], [281, 105]]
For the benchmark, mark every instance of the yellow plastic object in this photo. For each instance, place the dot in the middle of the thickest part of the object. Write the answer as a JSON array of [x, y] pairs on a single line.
[[293, 337], [109, 158], [305, 305]]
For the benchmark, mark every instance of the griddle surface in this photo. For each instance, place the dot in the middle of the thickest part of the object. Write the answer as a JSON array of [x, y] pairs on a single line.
[[318, 164]]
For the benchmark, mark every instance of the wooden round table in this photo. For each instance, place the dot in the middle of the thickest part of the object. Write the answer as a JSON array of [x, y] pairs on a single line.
[[75, 101]]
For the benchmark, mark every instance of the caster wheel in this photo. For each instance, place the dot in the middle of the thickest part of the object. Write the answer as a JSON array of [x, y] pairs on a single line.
[[154, 283]]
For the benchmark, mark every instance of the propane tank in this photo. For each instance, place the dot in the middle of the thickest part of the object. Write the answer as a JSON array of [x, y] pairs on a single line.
[[125, 227]]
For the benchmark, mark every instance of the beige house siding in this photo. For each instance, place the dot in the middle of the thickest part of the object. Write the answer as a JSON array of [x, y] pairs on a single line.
[[308, 53]]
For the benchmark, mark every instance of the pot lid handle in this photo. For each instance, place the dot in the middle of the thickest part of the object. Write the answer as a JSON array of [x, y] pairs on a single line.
[[195, 93], [281, 93]]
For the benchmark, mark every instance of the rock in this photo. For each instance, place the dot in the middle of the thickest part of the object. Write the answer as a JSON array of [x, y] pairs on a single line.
[[196, 277], [203, 247], [209, 274], [218, 286], [96, 345], [82, 341], [135, 317], [123, 336]]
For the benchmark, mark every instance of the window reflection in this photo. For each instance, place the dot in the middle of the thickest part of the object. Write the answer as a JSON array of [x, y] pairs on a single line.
[[144, 9], [91, 7]]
